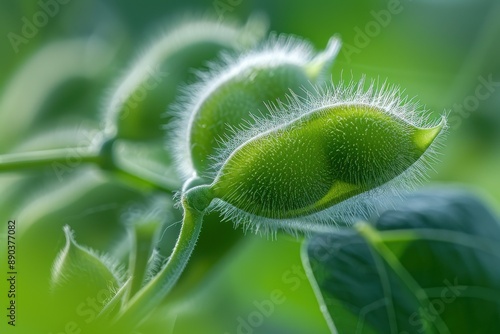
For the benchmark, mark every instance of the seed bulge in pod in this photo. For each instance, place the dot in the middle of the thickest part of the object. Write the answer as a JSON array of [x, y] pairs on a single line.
[[323, 152]]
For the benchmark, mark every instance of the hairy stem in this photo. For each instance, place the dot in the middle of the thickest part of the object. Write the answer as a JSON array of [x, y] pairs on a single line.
[[114, 303], [153, 293]]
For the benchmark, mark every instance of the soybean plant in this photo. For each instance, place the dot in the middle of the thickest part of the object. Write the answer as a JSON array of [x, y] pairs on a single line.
[[304, 167], [263, 137]]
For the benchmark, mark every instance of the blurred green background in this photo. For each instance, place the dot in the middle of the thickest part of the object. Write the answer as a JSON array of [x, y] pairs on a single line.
[[446, 53]]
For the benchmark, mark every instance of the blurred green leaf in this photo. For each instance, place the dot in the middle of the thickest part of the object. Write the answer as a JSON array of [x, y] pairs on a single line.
[[431, 266], [76, 266], [58, 63], [79, 275]]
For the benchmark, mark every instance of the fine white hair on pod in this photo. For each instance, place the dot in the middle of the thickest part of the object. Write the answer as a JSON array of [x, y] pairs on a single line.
[[169, 41], [278, 50], [385, 99]]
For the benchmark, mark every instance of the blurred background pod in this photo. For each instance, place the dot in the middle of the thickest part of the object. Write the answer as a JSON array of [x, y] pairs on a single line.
[[136, 105], [235, 91]]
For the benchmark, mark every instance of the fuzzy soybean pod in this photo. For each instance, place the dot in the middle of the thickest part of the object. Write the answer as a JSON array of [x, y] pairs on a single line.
[[237, 90], [305, 167], [135, 106], [314, 163]]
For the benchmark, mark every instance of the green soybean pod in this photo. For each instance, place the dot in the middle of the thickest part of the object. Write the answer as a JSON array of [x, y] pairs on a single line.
[[136, 105], [308, 164], [237, 90]]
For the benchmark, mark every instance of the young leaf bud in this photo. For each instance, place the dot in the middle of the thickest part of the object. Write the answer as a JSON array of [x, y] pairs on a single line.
[[81, 268], [136, 105], [232, 91], [310, 163]]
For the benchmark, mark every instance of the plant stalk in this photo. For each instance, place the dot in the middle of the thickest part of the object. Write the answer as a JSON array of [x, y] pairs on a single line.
[[143, 178], [152, 294], [72, 158], [67, 156]]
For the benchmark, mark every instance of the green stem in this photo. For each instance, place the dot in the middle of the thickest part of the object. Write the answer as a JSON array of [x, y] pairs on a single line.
[[81, 155], [68, 156], [114, 303], [145, 238], [142, 177], [153, 293]]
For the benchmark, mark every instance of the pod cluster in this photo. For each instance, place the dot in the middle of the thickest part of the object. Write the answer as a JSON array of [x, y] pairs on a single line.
[[265, 140]]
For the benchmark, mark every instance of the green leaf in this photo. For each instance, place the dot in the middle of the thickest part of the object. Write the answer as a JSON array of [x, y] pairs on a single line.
[[59, 64], [431, 266], [79, 274]]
